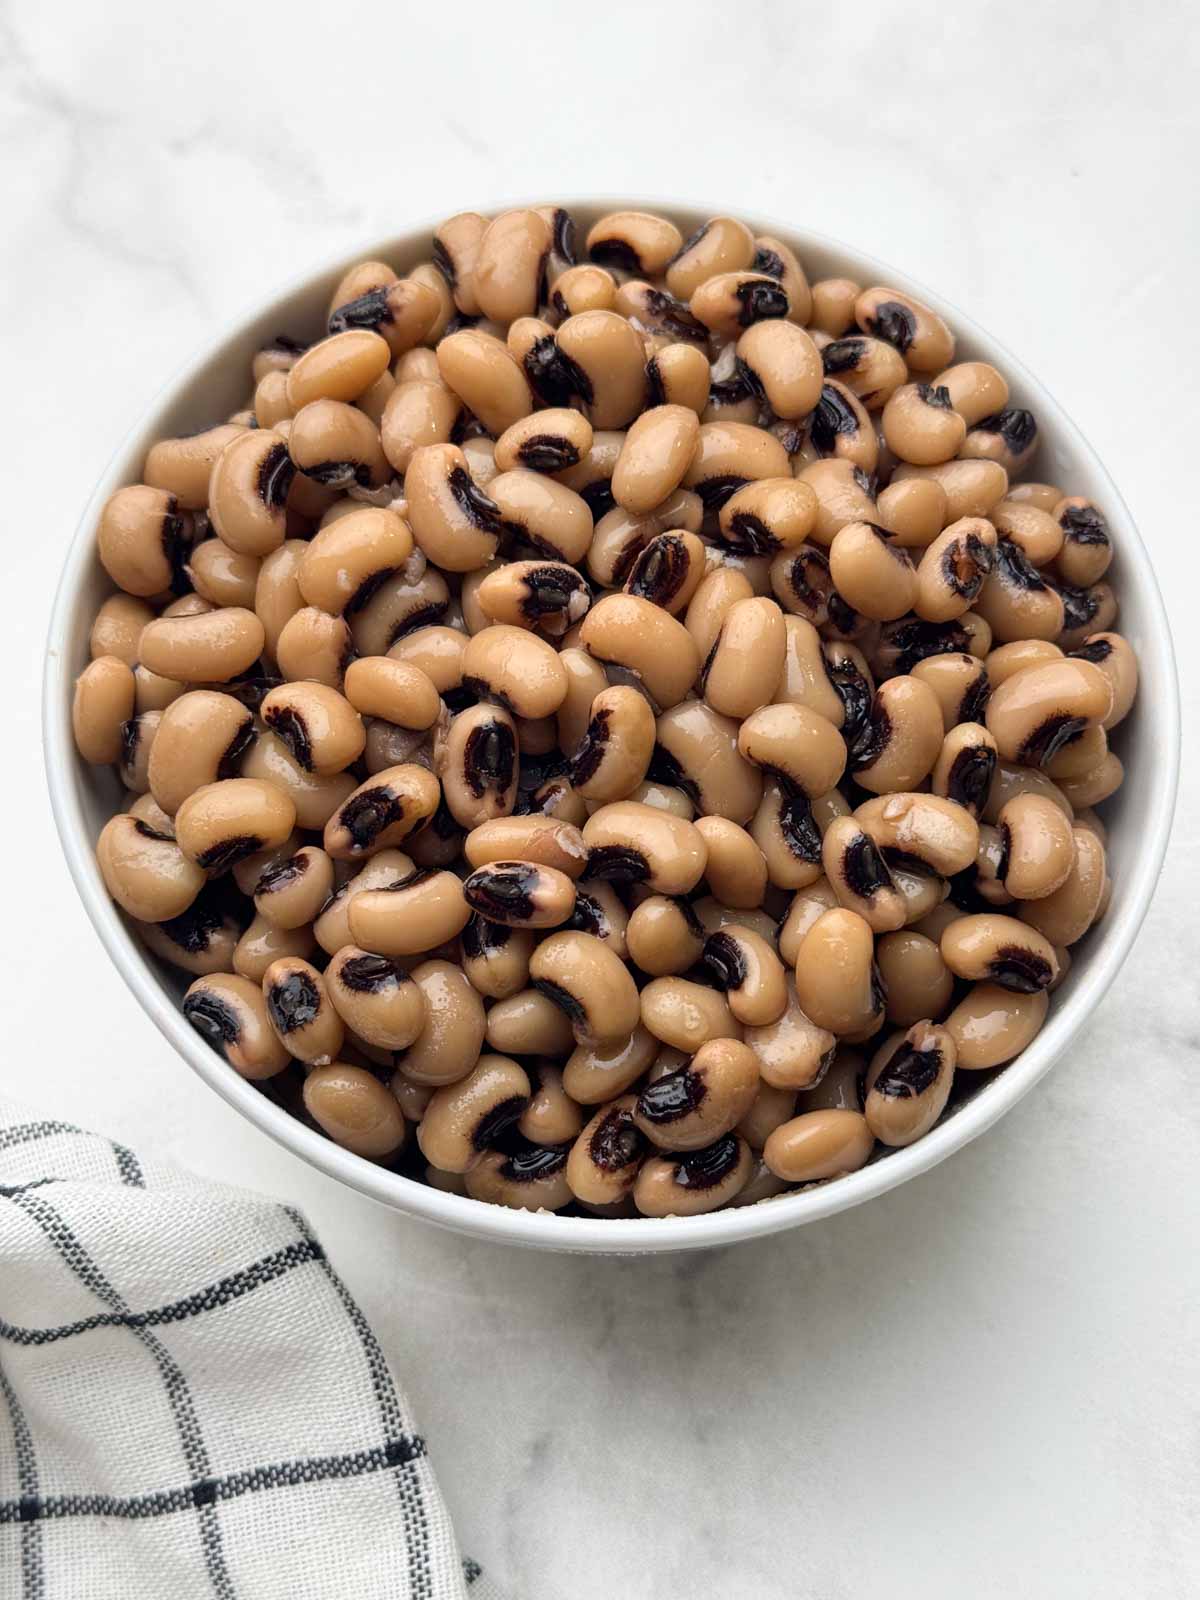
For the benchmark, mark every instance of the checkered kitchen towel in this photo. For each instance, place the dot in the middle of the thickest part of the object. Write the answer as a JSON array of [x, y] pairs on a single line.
[[191, 1404]]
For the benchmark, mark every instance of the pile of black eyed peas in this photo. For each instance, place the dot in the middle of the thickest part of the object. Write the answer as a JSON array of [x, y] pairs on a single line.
[[610, 734]]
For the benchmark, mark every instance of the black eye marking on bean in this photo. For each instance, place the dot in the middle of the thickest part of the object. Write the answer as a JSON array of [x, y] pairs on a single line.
[[664, 768], [749, 535], [909, 1073], [812, 593], [1017, 428], [724, 961], [275, 473], [1014, 967], [494, 1123], [589, 916], [288, 725], [548, 452], [598, 497], [554, 377], [410, 880], [617, 1141], [964, 893], [1079, 605], [194, 928], [549, 591], [760, 302], [370, 310], [489, 758], [797, 825], [563, 232], [131, 734], [231, 758], [704, 1169], [672, 316], [177, 547], [618, 253], [422, 616], [480, 510], [533, 1162], [1014, 567], [562, 998], [1095, 650], [832, 418], [656, 394], [917, 640], [936, 395], [872, 739], [290, 346], [213, 1018], [743, 385], [907, 861], [442, 261], [864, 868], [965, 565], [714, 492], [559, 304], [878, 989], [1083, 525], [293, 1002], [894, 324], [339, 474], [841, 613], [617, 864], [252, 688], [1046, 740], [689, 243], [660, 570], [973, 705], [969, 780], [625, 562], [853, 691], [843, 355], [274, 878], [365, 816], [147, 832], [768, 263], [1002, 863], [676, 1095], [481, 937], [706, 667], [502, 893], [592, 748], [369, 974], [226, 851], [482, 690]]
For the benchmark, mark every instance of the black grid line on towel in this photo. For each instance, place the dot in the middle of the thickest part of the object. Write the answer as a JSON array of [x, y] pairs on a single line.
[[408, 1485], [179, 1396], [128, 1164], [33, 1571]]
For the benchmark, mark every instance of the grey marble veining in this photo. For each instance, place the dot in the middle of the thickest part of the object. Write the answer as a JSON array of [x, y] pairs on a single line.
[[983, 1383]]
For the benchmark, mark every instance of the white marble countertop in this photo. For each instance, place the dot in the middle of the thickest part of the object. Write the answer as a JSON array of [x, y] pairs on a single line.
[[984, 1383]]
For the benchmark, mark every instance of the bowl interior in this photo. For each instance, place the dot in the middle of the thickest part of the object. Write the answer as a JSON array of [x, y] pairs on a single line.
[[1138, 816]]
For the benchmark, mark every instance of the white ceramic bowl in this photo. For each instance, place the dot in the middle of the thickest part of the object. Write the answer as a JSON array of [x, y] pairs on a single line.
[[1139, 817]]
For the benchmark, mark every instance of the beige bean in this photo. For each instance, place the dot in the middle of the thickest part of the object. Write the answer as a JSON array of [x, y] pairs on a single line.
[[377, 686], [145, 871], [382, 812], [908, 1083], [992, 1025], [515, 669], [871, 572], [103, 702], [448, 1045], [689, 1108], [797, 744], [403, 311], [529, 1024], [210, 647], [183, 467], [631, 842], [902, 739], [1064, 916], [230, 1014], [837, 984], [818, 1145], [654, 458], [357, 1111], [634, 241], [1035, 712], [694, 1182], [729, 455]]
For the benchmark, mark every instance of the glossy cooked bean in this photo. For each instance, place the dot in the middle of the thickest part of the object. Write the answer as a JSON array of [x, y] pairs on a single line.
[[290, 893], [614, 753], [396, 691], [795, 744], [782, 366], [589, 983], [475, 758], [208, 647], [117, 630], [735, 870], [902, 738], [1114, 657], [381, 812], [695, 1182], [448, 1045], [1035, 712], [183, 467], [743, 965], [818, 1145], [837, 983], [318, 725], [300, 1011], [529, 1024], [1038, 845], [413, 914], [966, 767], [729, 455], [357, 1111], [859, 876], [633, 843], [871, 572], [520, 894], [1065, 915], [908, 1083], [991, 1025], [145, 871], [605, 1158], [230, 1014], [701, 1101], [103, 703], [375, 998]]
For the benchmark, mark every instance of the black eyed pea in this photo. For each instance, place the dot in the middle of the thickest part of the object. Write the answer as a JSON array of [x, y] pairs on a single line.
[[685, 1014], [920, 425], [395, 691], [859, 876], [340, 367], [654, 458], [664, 937], [961, 683], [908, 1083], [599, 911], [668, 570], [348, 560], [797, 745], [222, 576], [420, 412], [117, 630], [805, 906], [1064, 916], [730, 302], [614, 753], [953, 569], [695, 1182], [921, 832], [520, 894], [997, 949], [291, 893], [356, 1111], [843, 496], [633, 843], [1086, 552], [146, 871], [729, 455], [144, 541], [404, 312], [1012, 778], [249, 869], [1039, 846], [918, 333], [481, 371], [409, 916], [972, 488], [399, 607], [508, 275], [277, 596], [552, 440], [1085, 611], [336, 445], [679, 375], [701, 1101], [777, 260], [314, 645], [626, 631], [382, 812], [721, 245], [495, 958], [697, 751], [589, 983], [833, 302], [1008, 659], [272, 408], [147, 809], [769, 1110], [476, 761], [605, 358], [528, 1024], [280, 355], [837, 983], [1033, 714], [870, 368], [331, 927], [261, 943], [901, 741], [801, 582], [1009, 437], [919, 984], [1112, 655], [359, 280], [736, 870], [582, 288], [788, 835], [840, 426], [373, 400], [248, 492], [448, 1045], [991, 1025], [183, 467], [744, 967], [315, 796], [543, 840], [976, 390], [208, 647], [230, 1014], [817, 1145], [454, 522], [914, 509], [966, 767], [767, 517], [455, 251], [605, 1158], [922, 893], [318, 725], [300, 1011], [871, 572], [746, 660], [548, 595], [222, 822], [715, 594], [634, 241], [103, 704], [782, 366], [543, 513], [1016, 601], [658, 316], [513, 668], [531, 1177], [598, 1072], [808, 676], [199, 941]]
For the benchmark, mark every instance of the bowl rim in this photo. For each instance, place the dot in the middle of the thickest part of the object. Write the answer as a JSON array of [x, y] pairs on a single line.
[[605, 1235]]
